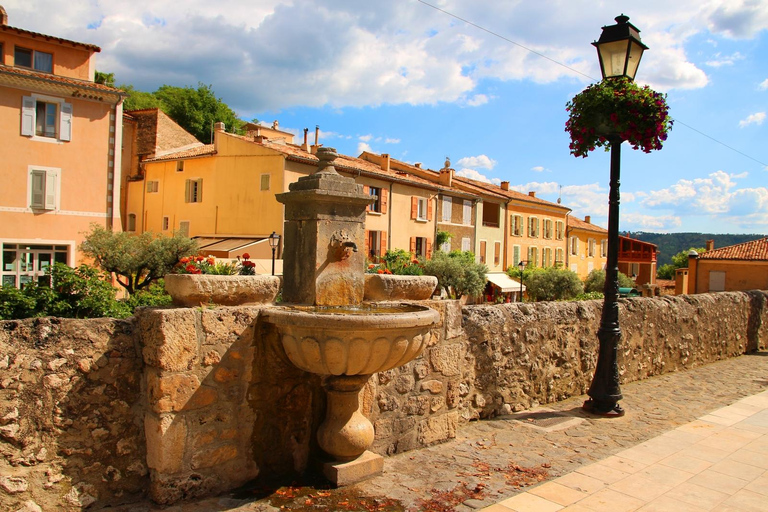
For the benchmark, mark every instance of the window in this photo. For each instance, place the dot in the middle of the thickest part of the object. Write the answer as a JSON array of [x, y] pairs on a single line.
[[559, 229], [516, 221], [131, 222], [574, 246], [603, 248], [446, 247], [180, 166], [591, 247], [376, 205], [33, 59], [546, 257], [482, 251], [716, 281], [491, 215], [533, 227], [496, 253], [43, 188], [265, 181], [194, 191], [43, 116], [559, 260], [420, 209], [153, 186], [184, 228], [421, 247], [465, 244], [447, 207], [376, 241], [22, 263], [548, 228], [166, 223], [533, 257], [467, 213]]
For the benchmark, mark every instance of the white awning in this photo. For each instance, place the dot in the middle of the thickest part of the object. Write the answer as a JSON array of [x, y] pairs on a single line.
[[504, 282]]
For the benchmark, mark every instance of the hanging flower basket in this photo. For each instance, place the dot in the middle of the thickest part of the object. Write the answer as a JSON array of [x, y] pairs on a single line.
[[617, 109]]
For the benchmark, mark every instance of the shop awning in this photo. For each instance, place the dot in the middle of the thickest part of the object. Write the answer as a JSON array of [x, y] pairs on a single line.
[[505, 283]]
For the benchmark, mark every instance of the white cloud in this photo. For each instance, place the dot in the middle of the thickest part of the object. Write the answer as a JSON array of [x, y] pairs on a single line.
[[391, 141], [481, 161], [756, 118], [477, 100], [363, 146], [365, 138], [643, 222], [475, 175], [720, 60], [764, 84], [538, 168]]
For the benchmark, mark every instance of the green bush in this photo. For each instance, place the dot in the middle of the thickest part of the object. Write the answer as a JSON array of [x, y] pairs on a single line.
[[457, 273], [590, 296], [595, 281], [154, 296], [553, 283]]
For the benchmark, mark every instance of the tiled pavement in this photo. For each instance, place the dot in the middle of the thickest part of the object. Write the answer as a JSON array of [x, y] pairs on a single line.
[[717, 462]]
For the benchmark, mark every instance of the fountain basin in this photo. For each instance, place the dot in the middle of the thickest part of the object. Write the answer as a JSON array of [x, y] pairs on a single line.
[[353, 340]]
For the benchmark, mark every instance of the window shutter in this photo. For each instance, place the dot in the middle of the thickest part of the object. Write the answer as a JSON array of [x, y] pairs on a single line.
[[496, 253], [429, 249], [38, 190], [367, 244], [413, 245], [414, 207], [383, 243], [384, 200], [65, 122], [187, 190], [199, 197], [429, 209], [367, 191], [447, 207], [28, 116], [50, 191], [482, 251], [516, 254]]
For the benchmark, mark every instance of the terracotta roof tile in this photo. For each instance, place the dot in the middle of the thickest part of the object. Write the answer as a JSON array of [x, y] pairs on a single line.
[[573, 222], [203, 150], [756, 250], [7, 28], [63, 80]]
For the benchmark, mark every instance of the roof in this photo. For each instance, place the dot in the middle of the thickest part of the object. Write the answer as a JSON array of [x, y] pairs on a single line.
[[202, 150], [573, 222], [756, 250], [26, 77], [29, 33]]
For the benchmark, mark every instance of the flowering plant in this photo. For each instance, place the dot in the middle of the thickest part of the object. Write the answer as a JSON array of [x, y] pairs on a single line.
[[617, 107], [398, 262], [209, 265]]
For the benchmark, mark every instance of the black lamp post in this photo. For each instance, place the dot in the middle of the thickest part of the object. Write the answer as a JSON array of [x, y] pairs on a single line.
[[274, 240], [521, 267], [619, 50]]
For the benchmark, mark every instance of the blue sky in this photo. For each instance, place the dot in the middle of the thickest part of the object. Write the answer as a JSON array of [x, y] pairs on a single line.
[[403, 78]]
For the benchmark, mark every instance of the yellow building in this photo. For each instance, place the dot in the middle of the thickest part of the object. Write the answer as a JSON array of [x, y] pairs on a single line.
[[59, 131], [587, 246]]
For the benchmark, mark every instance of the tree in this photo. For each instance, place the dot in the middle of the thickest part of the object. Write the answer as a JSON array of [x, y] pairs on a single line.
[[139, 100], [442, 237], [457, 273], [196, 110], [136, 260], [107, 79], [553, 283], [679, 260], [595, 281]]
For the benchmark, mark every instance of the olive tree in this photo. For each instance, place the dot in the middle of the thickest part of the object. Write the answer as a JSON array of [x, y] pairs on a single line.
[[457, 273], [553, 283], [595, 281]]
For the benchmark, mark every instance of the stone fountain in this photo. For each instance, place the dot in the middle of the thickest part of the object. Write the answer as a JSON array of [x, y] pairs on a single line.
[[327, 329]]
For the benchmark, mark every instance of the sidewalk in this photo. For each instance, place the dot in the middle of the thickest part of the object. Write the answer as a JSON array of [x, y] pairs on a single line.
[[718, 462], [691, 440]]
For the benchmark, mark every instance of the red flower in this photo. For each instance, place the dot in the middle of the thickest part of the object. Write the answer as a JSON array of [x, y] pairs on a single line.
[[199, 259], [211, 261], [379, 271], [193, 269], [246, 256], [185, 259]]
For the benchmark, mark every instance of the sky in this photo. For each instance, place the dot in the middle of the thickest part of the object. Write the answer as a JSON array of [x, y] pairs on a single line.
[[482, 82]]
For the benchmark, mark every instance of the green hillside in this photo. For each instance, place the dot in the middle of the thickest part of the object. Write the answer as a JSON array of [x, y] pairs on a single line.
[[672, 243]]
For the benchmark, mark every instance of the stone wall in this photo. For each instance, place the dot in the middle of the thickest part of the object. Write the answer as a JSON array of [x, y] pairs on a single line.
[[189, 402], [71, 414]]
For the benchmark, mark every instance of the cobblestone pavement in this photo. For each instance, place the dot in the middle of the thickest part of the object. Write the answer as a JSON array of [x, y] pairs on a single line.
[[495, 459]]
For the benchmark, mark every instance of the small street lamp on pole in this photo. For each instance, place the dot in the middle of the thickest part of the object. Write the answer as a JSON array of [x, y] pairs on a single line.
[[619, 50], [274, 241], [521, 267]]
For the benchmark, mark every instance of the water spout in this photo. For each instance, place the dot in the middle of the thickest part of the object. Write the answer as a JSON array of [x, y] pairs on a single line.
[[353, 245]]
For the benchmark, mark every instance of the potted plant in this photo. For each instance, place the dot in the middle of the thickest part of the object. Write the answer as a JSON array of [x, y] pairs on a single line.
[[617, 109], [204, 280]]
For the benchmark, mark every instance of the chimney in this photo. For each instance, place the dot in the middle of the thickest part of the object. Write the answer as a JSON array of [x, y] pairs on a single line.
[[305, 146], [446, 177], [504, 185], [417, 165], [313, 147], [588, 219], [532, 193], [3, 16], [710, 245], [275, 125], [219, 127], [385, 162]]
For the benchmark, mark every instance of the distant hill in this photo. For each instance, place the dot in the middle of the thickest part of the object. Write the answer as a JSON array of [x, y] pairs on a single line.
[[672, 243]]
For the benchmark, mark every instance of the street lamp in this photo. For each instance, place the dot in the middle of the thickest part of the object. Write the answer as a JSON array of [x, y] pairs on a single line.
[[274, 240], [619, 50], [521, 267]]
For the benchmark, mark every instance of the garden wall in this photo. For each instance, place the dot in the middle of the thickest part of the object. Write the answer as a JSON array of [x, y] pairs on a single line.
[[189, 402]]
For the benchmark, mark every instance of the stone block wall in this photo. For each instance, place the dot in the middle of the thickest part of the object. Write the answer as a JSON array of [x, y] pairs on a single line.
[[71, 414]]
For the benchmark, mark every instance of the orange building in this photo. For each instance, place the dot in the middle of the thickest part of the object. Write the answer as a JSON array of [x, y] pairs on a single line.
[[737, 267], [59, 134]]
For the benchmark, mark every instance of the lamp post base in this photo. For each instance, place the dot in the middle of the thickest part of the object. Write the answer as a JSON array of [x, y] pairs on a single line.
[[607, 409]]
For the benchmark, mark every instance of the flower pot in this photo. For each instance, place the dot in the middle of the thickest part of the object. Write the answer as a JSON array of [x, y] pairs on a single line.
[[382, 287], [196, 289]]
